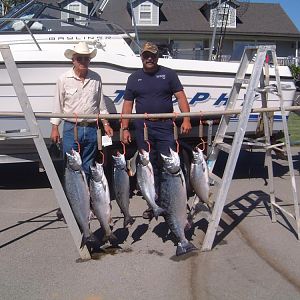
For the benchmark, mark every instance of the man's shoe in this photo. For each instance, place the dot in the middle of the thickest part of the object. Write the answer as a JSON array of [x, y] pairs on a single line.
[[148, 214]]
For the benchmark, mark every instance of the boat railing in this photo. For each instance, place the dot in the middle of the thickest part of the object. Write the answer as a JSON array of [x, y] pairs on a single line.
[[288, 61]]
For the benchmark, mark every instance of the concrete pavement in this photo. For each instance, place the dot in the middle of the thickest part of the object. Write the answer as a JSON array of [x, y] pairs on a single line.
[[253, 258]]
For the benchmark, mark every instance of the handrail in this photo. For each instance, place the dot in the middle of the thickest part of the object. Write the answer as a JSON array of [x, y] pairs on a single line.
[[202, 114]]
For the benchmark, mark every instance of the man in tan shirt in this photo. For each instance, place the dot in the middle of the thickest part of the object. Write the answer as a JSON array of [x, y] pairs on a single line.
[[79, 91]]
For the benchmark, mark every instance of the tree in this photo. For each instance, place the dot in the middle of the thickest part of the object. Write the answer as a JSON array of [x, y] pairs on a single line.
[[8, 4]]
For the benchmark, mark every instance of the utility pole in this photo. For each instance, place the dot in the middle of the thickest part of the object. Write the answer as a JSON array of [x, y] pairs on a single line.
[[212, 45], [134, 24]]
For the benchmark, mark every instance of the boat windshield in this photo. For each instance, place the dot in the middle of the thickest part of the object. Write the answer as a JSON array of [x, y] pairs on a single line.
[[40, 17]]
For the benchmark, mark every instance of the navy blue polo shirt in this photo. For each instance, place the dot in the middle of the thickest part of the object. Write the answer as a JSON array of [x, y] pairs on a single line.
[[153, 92]]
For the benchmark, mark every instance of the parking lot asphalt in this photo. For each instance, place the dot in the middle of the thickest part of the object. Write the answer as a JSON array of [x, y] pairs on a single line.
[[252, 258]]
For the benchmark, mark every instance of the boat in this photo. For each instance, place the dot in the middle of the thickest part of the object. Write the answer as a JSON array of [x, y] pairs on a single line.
[[38, 37]]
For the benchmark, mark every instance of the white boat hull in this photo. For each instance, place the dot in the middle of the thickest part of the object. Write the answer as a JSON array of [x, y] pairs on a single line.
[[207, 84]]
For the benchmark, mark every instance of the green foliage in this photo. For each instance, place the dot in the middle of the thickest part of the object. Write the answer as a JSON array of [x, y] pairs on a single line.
[[295, 71], [294, 128]]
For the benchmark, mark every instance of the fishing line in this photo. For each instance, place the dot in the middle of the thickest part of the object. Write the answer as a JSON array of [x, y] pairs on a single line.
[[146, 138], [99, 139]]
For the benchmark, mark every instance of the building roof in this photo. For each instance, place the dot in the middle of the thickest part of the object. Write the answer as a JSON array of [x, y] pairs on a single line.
[[185, 16]]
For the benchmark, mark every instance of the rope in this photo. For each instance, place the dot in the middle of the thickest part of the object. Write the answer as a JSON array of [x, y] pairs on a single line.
[[175, 131], [146, 138], [99, 140], [202, 142], [76, 132], [124, 148]]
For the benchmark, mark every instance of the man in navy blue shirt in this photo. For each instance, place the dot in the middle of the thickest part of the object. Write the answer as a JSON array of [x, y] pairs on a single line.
[[152, 89]]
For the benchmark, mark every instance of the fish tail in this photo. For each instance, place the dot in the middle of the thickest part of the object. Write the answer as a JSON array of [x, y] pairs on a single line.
[[184, 248], [128, 221], [111, 238], [88, 240]]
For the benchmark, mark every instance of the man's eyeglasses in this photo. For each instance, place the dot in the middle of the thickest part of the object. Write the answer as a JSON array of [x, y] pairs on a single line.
[[147, 55], [82, 58]]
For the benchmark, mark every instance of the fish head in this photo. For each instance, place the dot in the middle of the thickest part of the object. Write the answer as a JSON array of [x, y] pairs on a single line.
[[119, 160], [198, 156], [171, 163], [143, 157], [74, 160], [97, 171]]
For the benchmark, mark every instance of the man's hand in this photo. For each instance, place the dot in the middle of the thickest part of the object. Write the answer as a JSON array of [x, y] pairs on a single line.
[[55, 137], [186, 126], [126, 137], [108, 130]]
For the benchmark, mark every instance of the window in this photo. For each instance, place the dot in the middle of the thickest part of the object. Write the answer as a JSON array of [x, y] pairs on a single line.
[[19, 12], [188, 50], [77, 7], [226, 16], [238, 49], [145, 12]]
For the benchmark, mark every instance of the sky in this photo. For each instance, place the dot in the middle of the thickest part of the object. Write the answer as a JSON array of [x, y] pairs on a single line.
[[291, 7]]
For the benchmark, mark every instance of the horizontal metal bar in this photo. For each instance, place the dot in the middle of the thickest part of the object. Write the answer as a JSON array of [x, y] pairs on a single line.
[[202, 114], [224, 147]]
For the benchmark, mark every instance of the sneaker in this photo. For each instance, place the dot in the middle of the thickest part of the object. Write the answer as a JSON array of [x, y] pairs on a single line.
[[148, 214]]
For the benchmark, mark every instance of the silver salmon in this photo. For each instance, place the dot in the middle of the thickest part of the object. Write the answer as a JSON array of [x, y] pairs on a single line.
[[145, 180], [199, 180], [100, 198], [121, 187], [174, 201], [78, 195]]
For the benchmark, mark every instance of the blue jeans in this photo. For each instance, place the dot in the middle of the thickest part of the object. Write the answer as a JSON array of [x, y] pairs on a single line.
[[87, 139]]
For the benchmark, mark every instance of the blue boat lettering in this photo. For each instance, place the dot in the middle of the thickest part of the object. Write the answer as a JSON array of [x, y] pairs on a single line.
[[199, 97], [222, 100], [119, 97]]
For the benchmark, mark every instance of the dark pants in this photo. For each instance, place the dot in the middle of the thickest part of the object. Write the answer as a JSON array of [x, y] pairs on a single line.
[[161, 139], [87, 139]]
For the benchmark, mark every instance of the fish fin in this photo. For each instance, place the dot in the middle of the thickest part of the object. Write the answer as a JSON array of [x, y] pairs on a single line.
[[110, 222], [188, 224], [190, 218], [131, 165], [159, 212], [185, 248]]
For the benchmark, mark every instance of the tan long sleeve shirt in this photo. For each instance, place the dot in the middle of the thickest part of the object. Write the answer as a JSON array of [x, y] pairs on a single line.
[[73, 96]]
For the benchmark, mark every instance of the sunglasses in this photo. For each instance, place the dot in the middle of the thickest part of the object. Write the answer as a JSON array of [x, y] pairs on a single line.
[[82, 58], [147, 55]]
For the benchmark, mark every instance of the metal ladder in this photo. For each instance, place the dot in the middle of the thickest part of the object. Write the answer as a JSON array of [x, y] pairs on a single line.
[[256, 84], [35, 133]]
